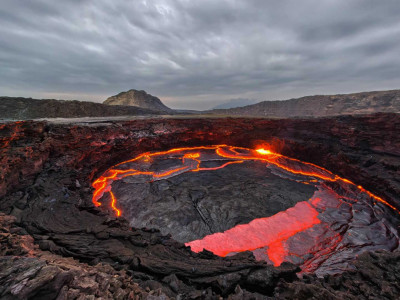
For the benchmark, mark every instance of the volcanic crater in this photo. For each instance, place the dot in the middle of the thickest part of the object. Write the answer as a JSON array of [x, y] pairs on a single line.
[[205, 208], [228, 199]]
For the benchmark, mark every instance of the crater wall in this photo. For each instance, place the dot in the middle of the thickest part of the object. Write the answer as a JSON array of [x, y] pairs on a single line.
[[47, 171]]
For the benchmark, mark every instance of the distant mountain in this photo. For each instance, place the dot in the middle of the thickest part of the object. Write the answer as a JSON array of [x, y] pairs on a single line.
[[235, 103], [187, 111], [138, 99], [28, 108], [321, 105]]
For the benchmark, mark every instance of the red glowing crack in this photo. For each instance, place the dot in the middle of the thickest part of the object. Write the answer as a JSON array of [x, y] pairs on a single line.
[[192, 154]]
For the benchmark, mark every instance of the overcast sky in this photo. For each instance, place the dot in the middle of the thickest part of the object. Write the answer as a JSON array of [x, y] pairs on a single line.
[[198, 54]]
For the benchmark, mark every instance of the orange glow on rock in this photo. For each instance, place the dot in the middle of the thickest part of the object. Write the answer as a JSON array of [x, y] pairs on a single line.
[[192, 155], [220, 167], [113, 202], [165, 174], [192, 163]]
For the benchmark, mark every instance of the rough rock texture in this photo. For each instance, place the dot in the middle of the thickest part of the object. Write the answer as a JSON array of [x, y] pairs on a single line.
[[376, 276], [138, 99], [320, 105], [364, 149], [14, 108], [45, 182], [334, 222], [26, 272], [208, 202]]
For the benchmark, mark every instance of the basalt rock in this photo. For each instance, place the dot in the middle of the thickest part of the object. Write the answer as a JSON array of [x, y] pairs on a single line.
[[375, 276], [26, 272], [46, 175]]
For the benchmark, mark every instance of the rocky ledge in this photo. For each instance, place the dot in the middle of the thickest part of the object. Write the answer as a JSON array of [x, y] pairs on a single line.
[[56, 244]]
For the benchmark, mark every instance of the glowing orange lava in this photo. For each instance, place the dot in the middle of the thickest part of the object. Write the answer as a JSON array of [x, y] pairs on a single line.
[[263, 232], [113, 201], [263, 151], [191, 160]]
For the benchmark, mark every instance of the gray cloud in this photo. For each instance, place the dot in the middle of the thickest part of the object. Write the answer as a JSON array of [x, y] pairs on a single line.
[[196, 54]]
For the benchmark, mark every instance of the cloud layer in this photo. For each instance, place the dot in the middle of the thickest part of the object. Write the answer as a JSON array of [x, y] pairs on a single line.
[[196, 54]]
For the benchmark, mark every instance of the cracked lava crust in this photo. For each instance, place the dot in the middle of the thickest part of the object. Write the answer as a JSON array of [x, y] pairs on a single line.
[[229, 199], [290, 208]]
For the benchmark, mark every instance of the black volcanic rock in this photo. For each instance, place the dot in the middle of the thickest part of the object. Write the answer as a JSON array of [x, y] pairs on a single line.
[[26, 272], [203, 202], [320, 105], [138, 99], [17, 108], [45, 179], [375, 276]]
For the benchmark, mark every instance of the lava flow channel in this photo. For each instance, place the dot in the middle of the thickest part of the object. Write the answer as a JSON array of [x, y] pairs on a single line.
[[267, 233]]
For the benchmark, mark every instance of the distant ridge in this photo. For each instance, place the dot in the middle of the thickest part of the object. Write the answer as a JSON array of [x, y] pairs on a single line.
[[321, 105], [233, 103], [138, 99], [18, 108]]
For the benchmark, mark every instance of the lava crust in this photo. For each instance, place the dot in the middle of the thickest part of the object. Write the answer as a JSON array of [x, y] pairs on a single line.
[[46, 186], [174, 192]]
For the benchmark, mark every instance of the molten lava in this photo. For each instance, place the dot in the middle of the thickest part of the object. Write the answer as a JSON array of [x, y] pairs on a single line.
[[263, 151], [113, 201], [263, 232], [270, 234]]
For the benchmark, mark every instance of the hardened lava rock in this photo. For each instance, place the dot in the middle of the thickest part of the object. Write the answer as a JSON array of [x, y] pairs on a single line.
[[45, 184]]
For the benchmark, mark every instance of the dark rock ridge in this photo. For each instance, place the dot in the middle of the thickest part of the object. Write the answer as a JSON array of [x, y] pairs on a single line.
[[138, 99], [320, 105], [45, 180], [17, 108]]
